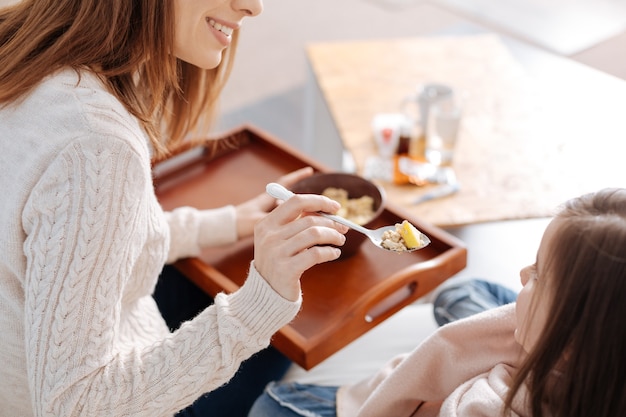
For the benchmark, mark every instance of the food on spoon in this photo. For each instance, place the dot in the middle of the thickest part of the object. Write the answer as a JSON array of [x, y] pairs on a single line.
[[405, 237], [359, 210], [392, 240], [412, 237]]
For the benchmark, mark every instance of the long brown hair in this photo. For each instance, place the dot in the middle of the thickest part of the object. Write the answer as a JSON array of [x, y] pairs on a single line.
[[578, 367], [129, 43]]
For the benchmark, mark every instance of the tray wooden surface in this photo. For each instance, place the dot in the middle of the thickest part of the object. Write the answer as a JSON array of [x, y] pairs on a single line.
[[342, 299]]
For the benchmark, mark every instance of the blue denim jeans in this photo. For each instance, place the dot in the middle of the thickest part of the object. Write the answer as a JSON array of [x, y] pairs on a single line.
[[469, 298], [295, 400], [301, 400]]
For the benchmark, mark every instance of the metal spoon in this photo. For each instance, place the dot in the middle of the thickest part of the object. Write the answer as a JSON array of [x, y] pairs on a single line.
[[376, 236]]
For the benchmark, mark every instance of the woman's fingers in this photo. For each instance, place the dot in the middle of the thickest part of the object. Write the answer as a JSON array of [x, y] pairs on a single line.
[[301, 204], [307, 232], [253, 210], [286, 243], [291, 178], [287, 181]]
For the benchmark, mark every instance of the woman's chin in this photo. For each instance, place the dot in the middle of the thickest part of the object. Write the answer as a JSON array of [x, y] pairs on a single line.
[[206, 62]]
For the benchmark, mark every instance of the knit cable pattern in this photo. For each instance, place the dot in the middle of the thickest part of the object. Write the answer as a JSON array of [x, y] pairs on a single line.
[[84, 258]]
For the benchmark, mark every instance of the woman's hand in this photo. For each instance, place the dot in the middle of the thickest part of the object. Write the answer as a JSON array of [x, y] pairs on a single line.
[[287, 242], [250, 212]]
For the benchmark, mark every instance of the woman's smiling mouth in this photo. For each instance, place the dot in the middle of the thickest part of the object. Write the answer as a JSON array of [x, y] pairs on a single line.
[[228, 31]]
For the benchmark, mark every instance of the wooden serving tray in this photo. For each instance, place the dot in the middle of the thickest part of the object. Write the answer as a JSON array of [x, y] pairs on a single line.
[[343, 299]]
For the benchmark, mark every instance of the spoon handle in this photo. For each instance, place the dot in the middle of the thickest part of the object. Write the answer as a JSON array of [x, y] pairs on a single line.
[[280, 192]]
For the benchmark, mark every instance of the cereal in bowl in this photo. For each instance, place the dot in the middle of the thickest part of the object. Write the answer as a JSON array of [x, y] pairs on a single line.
[[359, 210]]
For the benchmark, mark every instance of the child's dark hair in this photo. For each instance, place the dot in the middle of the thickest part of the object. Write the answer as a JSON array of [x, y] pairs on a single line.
[[578, 367]]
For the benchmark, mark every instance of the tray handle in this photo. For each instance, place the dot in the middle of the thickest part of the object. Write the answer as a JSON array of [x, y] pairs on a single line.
[[408, 284], [395, 292], [399, 290], [389, 304]]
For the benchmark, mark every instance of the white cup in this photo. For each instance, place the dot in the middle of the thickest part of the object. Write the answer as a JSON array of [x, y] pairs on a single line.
[[386, 128]]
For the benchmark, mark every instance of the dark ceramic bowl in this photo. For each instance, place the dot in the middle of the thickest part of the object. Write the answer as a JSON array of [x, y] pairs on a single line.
[[356, 187]]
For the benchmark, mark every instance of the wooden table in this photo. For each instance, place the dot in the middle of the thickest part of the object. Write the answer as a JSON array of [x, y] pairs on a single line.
[[538, 129]]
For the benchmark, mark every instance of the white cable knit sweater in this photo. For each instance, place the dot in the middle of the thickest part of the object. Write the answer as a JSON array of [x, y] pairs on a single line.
[[82, 242]]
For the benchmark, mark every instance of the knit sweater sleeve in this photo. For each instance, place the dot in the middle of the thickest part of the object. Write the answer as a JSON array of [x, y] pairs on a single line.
[[86, 222], [454, 354], [192, 229]]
